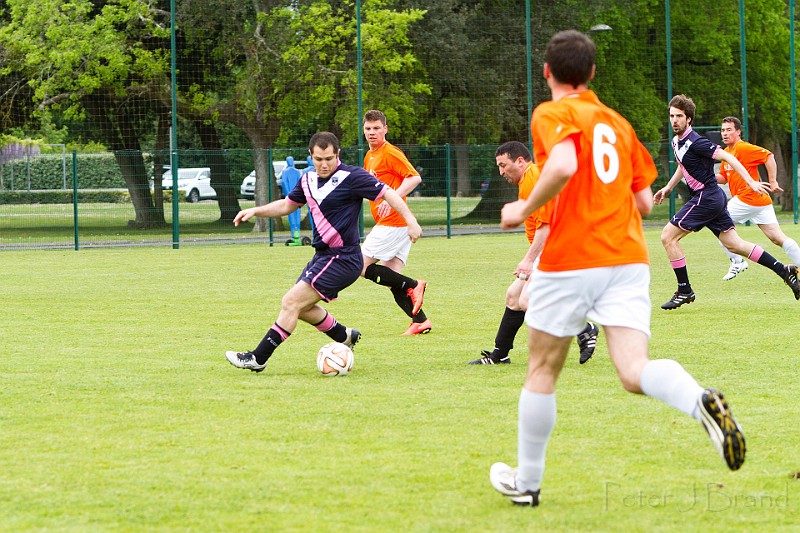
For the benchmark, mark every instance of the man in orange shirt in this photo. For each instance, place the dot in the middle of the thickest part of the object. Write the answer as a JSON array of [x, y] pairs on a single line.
[[594, 265], [745, 204], [388, 241], [514, 162]]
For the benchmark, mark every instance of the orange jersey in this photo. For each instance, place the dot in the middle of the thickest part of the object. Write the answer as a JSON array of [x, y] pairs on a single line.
[[390, 165], [541, 215], [594, 222], [750, 156]]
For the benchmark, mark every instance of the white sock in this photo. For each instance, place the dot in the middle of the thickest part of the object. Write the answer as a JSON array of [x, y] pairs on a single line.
[[537, 416], [736, 258], [792, 250], [668, 381]]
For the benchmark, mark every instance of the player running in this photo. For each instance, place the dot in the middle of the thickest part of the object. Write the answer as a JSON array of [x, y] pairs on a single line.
[[334, 193], [388, 243], [706, 207], [745, 204], [514, 162], [594, 264]]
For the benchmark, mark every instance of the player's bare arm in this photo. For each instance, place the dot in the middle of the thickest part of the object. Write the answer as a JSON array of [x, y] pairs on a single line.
[[772, 173], [278, 208], [662, 193], [525, 267], [409, 184], [644, 201], [729, 158], [397, 203], [561, 164]]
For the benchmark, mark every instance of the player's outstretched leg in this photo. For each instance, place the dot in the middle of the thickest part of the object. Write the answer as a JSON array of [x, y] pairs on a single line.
[[790, 277], [504, 480], [725, 433], [256, 360], [587, 341], [788, 273]]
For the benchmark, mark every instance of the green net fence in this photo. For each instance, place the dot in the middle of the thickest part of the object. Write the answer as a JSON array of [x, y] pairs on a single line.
[[102, 99]]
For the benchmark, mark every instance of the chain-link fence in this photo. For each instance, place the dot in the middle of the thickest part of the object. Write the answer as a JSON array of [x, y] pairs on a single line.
[[226, 91]]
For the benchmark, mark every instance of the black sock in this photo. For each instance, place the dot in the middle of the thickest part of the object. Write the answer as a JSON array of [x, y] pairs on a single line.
[[274, 337], [773, 264], [404, 302], [509, 326], [388, 278], [683, 280], [330, 327], [419, 318]]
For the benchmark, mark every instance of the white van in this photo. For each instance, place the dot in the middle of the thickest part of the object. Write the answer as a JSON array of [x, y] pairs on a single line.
[[195, 183], [248, 188]]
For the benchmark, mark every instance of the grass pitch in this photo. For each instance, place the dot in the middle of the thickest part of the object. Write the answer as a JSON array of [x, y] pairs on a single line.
[[119, 412]]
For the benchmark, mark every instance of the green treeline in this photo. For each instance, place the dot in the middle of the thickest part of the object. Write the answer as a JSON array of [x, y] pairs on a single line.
[[256, 75]]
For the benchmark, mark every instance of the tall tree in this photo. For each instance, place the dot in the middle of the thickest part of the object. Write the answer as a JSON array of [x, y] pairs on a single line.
[[84, 58], [282, 70]]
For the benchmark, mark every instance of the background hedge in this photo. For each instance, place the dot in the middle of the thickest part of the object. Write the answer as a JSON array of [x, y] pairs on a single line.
[[47, 172]]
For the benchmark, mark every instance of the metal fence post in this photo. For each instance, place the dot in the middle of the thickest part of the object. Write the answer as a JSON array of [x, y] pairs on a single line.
[[270, 179], [75, 198], [447, 187]]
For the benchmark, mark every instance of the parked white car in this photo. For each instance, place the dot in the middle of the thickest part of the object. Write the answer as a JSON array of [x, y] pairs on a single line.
[[195, 183], [248, 188]]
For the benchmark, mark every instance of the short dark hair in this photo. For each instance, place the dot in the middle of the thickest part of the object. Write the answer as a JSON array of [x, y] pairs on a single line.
[[373, 115], [323, 139], [570, 55], [685, 104], [737, 124], [513, 149]]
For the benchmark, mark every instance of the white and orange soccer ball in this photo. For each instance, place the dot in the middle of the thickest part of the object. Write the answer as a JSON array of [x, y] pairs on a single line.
[[335, 359]]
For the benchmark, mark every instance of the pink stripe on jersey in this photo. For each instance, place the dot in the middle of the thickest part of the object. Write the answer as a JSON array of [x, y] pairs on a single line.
[[326, 231], [693, 184], [678, 263], [327, 323], [756, 254]]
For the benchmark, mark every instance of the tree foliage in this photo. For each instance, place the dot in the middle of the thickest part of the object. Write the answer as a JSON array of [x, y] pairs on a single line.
[[452, 71]]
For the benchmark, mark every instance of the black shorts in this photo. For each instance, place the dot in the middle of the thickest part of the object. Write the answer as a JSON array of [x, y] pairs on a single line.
[[333, 270], [706, 208]]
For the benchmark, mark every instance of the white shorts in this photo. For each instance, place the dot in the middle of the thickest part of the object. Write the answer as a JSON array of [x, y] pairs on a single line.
[[757, 214], [387, 242], [559, 303]]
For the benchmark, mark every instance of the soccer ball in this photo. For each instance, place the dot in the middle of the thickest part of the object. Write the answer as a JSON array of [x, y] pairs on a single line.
[[335, 359]]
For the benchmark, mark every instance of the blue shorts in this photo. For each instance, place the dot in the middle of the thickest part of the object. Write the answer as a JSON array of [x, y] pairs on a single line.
[[333, 270], [706, 208]]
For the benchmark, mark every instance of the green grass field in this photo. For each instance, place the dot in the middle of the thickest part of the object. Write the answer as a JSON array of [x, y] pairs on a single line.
[[119, 412]]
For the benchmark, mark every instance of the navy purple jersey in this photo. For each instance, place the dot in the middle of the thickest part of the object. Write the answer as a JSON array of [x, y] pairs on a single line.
[[335, 203], [695, 154]]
